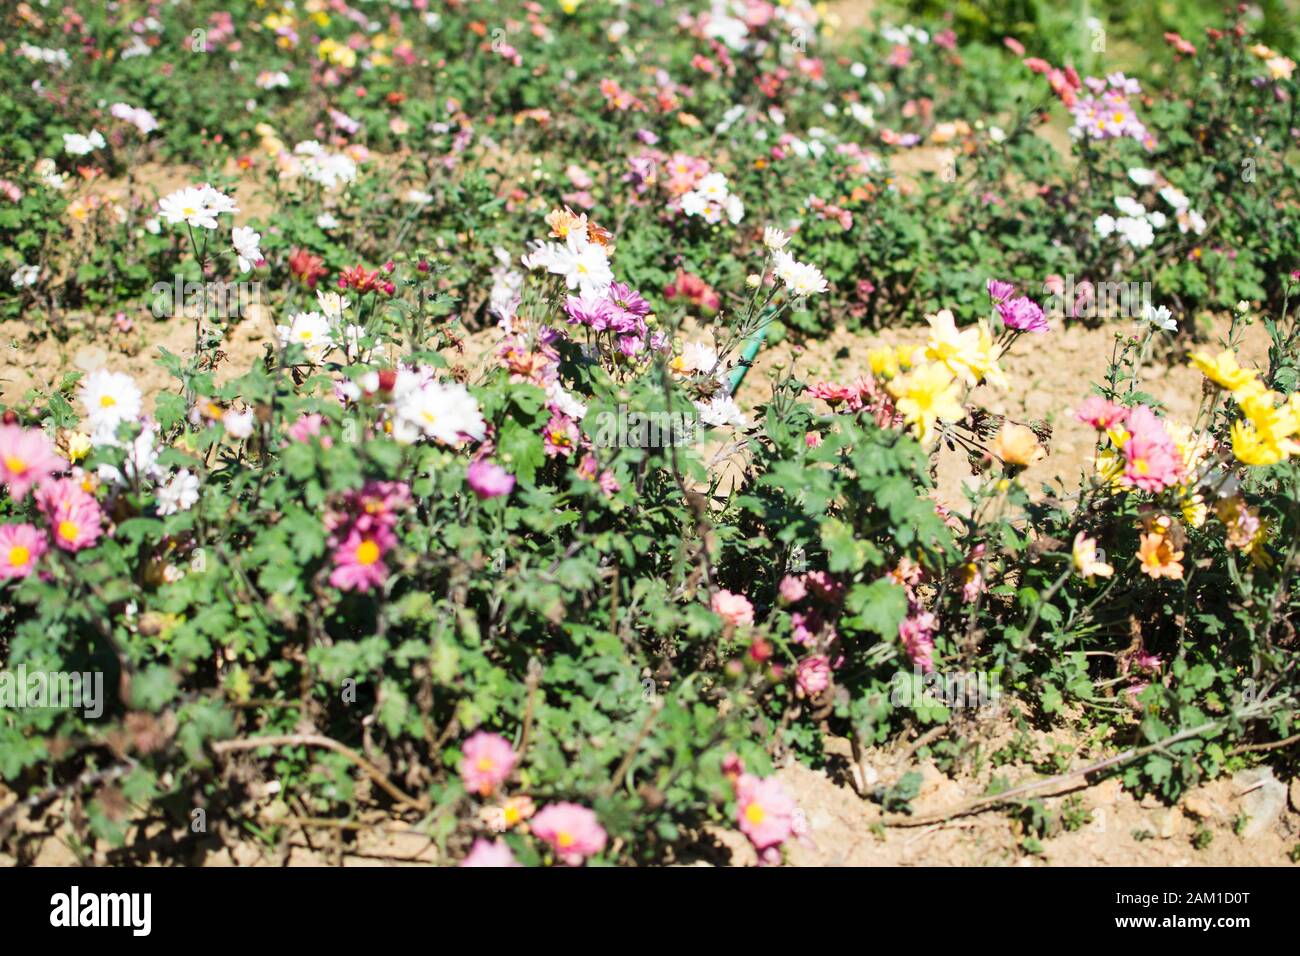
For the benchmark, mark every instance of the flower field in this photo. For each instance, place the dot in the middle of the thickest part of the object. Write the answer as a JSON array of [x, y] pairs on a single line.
[[592, 433]]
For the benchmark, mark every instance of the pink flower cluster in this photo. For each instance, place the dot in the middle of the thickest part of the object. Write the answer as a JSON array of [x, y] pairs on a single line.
[[1108, 114], [361, 534], [1152, 461], [734, 609], [917, 629], [864, 395], [621, 311], [1019, 313], [75, 520]]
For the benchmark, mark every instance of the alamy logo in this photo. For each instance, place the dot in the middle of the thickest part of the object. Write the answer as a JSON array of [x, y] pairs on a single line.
[[134, 910], [628, 429], [69, 690]]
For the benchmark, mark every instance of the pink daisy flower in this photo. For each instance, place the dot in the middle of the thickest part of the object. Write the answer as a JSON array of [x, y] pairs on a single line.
[[26, 458], [765, 811], [358, 560], [487, 762], [21, 545], [573, 831], [76, 520]]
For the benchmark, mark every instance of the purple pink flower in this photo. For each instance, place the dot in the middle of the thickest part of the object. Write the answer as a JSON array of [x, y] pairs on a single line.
[[488, 479], [1022, 314], [359, 559]]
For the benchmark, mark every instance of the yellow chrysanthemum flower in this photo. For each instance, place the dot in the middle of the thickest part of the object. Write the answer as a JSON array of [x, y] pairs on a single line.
[[925, 396], [1223, 370]]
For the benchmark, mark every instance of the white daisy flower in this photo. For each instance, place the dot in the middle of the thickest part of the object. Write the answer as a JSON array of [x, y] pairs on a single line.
[[444, 412], [311, 330], [109, 398], [179, 493], [1160, 317], [246, 242], [774, 239]]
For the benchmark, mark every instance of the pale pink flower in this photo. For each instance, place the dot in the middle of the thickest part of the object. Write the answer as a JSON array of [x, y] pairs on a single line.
[[735, 609], [765, 811], [1100, 413], [485, 853], [573, 831], [26, 458], [792, 589], [21, 545], [487, 762]]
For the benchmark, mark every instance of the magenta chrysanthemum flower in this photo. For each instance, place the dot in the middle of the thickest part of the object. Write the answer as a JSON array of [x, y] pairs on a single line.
[[573, 831], [488, 479], [589, 309], [26, 458], [76, 520], [488, 760], [21, 546], [1023, 314], [1000, 291]]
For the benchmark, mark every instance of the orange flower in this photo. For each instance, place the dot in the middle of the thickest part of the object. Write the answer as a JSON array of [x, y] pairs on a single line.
[[1159, 557]]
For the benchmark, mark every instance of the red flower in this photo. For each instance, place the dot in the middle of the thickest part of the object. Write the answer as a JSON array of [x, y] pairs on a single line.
[[305, 267]]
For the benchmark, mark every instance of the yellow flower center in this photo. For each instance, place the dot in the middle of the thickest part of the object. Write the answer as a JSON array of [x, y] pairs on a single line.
[[564, 839], [484, 764], [367, 552], [14, 465], [755, 814], [107, 401], [19, 555], [68, 531]]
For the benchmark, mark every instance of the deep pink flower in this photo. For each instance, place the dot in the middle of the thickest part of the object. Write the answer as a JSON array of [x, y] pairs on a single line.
[[358, 559], [76, 520], [21, 545], [485, 853], [573, 831], [734, 609], [26, 458], [764, 810], [488, 760], [488, 479]]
